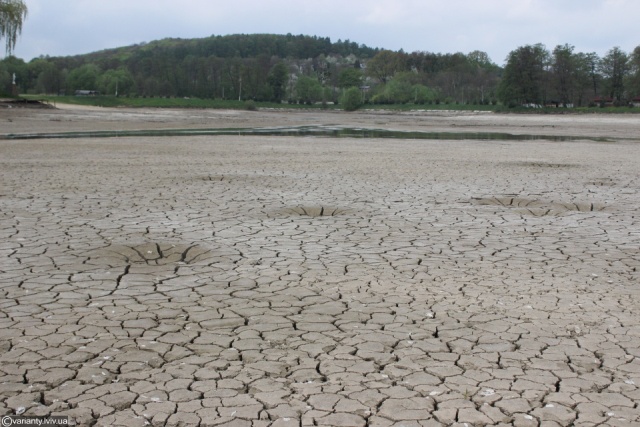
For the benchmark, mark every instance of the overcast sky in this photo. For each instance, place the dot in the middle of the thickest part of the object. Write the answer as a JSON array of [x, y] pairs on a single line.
[[69, 27]]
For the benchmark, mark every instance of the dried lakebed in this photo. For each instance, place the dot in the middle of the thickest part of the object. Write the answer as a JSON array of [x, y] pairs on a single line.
[[201, 280]]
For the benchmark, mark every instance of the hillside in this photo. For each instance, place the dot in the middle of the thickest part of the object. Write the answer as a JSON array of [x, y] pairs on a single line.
[[211, 67], [309, 69], [263, 67], [238, 45]]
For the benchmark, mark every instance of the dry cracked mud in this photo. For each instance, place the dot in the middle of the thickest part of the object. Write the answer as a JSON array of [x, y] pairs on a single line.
[[305, 281]]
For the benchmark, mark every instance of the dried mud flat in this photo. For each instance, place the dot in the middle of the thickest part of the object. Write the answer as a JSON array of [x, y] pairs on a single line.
[[301, 281]]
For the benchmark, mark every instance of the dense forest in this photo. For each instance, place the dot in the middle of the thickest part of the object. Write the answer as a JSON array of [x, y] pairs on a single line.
[[309, 69]]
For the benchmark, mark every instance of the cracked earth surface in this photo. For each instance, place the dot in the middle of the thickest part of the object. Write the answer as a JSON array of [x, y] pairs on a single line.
[[281, 281]]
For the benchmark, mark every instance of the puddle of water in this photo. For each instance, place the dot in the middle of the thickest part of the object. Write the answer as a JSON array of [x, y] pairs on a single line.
[[323, 131]]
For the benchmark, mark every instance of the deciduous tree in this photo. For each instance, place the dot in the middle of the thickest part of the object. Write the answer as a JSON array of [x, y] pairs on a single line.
[[115, 81], [12, 15], [614, 67], [350, 77], [352, 99], [45, 76], [278, 78], [634, 70], [385, 64], [524, 76], [308, 89], [563, 73], [83, 78]]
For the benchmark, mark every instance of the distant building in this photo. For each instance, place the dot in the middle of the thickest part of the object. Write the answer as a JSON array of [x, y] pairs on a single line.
[[635, 102], [87, 93], [558, 104], [604, 102]]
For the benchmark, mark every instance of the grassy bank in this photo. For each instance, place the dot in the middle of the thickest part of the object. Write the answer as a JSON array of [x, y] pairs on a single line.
[[112, 101]]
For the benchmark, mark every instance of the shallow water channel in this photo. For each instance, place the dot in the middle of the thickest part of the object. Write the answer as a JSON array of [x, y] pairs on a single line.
[[321, 131]]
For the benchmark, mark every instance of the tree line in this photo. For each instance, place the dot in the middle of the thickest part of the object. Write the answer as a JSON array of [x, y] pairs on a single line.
[[310, 69], [533, 75]]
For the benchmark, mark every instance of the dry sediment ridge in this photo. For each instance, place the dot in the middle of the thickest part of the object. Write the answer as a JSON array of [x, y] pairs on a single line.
[[256, 281]]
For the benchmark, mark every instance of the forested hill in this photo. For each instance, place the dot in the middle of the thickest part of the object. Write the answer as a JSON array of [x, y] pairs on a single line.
[[237, 45], [255, 66], [262, 67]]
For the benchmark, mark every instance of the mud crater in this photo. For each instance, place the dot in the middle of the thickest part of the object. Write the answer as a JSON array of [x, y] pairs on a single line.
[[149, 254], [538, 207], [229, 177], [270, 181], [602, 182], [533, 164], [311, 211]]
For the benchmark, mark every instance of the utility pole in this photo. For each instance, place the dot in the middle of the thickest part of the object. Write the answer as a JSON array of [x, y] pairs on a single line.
[[240, 91]]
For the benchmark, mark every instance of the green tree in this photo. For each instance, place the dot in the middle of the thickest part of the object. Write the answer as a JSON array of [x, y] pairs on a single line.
[[113, 82], [480, 59], [564, 73], [278, 79], [482, 77], [45, 76], [385, 64], [5, 79], [352, 99], [18, 67], [308, 89], [404, 88], [422, 94], [149, 87], [587, 77], [397, 91], [524, 78], [634, 69], [592, 62], [12, 15], [614, 67], [83, 78], [350, 77]]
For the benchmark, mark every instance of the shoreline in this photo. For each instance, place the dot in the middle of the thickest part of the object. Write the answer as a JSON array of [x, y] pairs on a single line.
[[69, 118]]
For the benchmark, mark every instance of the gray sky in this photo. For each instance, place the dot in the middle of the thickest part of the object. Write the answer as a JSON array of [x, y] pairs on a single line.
[[69, 27]]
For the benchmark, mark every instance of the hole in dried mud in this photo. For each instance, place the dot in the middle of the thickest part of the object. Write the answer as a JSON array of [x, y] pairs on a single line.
[[538, 207], [270, 181], [503, 201], [233, 177], [218, 178], [602, 182], [541, 164], [149, 254], [311, 211]]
